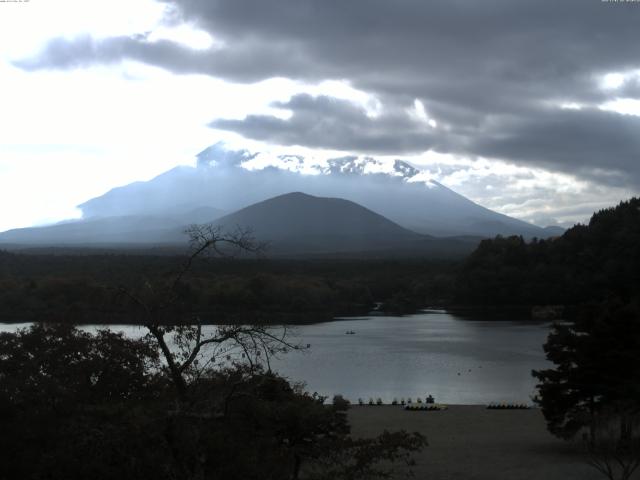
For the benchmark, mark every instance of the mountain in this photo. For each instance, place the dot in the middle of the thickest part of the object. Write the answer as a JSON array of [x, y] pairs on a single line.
[[297, 223], [200, 214], [304, 223], [231, 180], [554, 231], [128, 229], [293, 224], [156, 211]]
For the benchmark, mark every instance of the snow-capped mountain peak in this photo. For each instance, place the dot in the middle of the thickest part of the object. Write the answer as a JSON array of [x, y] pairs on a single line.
[[217, 156], [230, 180]]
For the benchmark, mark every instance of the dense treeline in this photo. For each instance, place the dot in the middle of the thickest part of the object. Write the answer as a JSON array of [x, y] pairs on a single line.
[[597, 366], [589, 262], [85, 288], [591, 392]]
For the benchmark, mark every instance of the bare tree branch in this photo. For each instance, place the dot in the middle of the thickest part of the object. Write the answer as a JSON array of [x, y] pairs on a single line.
[[253, 340]]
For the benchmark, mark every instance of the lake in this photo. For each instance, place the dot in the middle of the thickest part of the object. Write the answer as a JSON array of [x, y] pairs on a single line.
[[458, 361]]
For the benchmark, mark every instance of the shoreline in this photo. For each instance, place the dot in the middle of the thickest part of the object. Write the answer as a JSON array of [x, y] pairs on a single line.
[[470, 314]]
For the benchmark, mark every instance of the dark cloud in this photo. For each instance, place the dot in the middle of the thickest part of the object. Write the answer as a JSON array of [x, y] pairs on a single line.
[[602, 145], [84, 51], [460, 52], [337, 124], [486, 71], [630, 89]]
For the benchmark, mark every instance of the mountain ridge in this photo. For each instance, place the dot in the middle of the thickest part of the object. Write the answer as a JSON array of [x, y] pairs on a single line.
[[297, 221], [396, 190], [292, 224]]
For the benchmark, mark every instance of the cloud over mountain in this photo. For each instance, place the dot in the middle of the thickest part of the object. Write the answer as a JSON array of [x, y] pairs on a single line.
[[230, 180], [528, 108], [331, 123], [492, 75]]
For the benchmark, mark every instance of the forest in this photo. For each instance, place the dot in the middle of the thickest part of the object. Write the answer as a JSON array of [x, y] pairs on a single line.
[[588, 262], [87, 288]]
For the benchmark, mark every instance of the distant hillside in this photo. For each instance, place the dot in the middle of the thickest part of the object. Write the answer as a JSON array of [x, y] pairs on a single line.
[[588, 262], [130, 229], [293, 225], [396, 190], [297, 223]]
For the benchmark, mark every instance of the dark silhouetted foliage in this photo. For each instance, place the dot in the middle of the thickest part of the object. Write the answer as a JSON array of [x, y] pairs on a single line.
[[71, 404], [586, 263], [597, 366], [79, 289], [76, 406], [613, 444]]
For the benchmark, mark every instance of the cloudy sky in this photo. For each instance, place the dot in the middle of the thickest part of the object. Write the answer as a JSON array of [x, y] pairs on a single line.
[[531, 108]]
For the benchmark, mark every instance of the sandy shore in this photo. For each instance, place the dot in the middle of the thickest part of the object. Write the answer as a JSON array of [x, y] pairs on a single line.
[[471, 442]]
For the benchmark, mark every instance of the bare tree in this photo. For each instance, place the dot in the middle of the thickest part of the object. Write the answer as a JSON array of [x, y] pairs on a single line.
[[305, 431], [189, 350], [613, 441]]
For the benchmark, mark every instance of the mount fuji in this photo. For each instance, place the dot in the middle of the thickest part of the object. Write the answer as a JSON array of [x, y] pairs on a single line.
[[224, 182], [396, 190]]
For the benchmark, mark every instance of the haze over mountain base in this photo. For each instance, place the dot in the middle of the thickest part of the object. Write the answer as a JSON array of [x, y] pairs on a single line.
[[389, 208]]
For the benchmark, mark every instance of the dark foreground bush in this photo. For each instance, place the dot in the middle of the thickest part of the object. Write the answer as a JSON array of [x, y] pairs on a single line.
[[78, 406]]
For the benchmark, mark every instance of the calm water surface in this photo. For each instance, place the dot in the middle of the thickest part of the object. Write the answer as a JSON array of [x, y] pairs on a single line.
[[457, 361]]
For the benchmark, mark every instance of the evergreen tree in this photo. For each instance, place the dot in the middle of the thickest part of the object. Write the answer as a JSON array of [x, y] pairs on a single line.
[[597, 365]]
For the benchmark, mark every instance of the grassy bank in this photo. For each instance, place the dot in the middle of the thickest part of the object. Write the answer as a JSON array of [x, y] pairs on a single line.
[[473, 443]]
